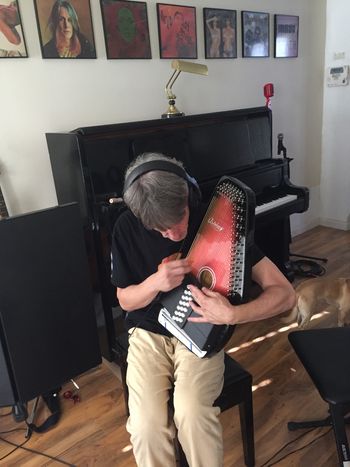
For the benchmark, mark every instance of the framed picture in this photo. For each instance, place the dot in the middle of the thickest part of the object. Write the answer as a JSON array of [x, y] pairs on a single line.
[[177, 31], [12, 42], [220, 33], [65, 28], [286, 36], [125, 26], [255, 34]]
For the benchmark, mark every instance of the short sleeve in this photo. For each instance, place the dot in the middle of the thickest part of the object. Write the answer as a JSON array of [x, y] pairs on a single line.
[[257, 255], [121, 274]]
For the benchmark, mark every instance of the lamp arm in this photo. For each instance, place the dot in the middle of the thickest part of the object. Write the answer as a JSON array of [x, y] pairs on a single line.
[[170, 83], [179, 66]]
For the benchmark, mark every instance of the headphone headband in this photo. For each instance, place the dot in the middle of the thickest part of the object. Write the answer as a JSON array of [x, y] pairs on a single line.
[[154, 165]]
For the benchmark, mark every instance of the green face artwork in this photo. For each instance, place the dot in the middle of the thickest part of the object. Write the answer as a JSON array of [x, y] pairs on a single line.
[[126, 24]]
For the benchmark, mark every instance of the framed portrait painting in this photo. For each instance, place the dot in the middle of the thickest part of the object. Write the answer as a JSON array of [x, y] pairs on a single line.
[[177, 31], [12, 42], [220, 37], [65, 28], [126, 31], [286, 36], [255, 34]]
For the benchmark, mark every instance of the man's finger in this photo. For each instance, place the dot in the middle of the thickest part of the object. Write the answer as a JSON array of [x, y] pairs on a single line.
[[172, 257], [209, 292], [195, 291], [178, 263], [177, 266], [196, 308], [200, 319]]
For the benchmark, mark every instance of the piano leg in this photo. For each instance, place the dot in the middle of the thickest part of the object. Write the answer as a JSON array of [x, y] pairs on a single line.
[[274, 238]]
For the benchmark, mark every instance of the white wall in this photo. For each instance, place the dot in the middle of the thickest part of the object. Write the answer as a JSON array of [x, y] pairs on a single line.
[[41, 96], [335, 191]]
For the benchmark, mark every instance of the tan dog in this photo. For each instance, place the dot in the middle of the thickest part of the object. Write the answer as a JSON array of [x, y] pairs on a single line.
[[314, 292]]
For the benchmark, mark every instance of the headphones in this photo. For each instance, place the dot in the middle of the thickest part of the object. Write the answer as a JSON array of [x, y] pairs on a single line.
[[194, 193]]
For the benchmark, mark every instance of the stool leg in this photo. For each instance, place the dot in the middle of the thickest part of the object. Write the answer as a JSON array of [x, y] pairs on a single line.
[[123, 368], [181, 460], [337, 414], [247, 430]]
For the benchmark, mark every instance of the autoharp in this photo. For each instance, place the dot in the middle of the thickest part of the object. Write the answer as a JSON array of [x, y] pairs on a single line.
[[219, 261]]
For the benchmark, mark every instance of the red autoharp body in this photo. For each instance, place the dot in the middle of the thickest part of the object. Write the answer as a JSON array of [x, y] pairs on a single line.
[[219, 258]]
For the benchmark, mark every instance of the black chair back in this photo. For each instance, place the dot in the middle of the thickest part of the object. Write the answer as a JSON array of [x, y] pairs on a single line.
[[325, 354]]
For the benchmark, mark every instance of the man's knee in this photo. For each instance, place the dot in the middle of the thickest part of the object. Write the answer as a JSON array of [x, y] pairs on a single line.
[[192, 414], [148, 416], [145, 423]]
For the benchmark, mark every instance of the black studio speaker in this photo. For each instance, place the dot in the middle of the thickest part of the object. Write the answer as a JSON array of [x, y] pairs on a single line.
[[48, 332], [7, 393]]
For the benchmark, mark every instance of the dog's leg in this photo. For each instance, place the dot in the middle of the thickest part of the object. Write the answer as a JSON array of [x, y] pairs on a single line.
[[343, 315], [304, 323], [344, 305], [305, 312], [292, 315]]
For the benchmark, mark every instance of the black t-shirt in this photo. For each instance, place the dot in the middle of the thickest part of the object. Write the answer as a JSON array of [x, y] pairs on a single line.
[[136, 254]]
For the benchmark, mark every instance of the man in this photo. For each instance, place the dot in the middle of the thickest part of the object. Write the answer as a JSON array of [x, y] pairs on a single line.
[[163, 204]]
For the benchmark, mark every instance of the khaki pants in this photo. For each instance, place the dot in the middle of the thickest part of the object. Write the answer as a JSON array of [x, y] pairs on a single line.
[[157, 364]]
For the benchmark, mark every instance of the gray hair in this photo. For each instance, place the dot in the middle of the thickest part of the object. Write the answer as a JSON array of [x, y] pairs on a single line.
[[158, 198]]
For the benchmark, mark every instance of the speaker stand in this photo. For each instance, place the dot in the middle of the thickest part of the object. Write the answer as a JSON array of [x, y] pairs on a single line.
[[31, 417], [19, 412]]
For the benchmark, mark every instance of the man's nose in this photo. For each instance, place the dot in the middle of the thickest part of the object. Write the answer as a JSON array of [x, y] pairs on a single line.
[[166, 233], [169, 233]]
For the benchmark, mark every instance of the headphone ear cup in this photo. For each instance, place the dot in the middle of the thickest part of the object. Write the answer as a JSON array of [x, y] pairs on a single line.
[[194, 192]]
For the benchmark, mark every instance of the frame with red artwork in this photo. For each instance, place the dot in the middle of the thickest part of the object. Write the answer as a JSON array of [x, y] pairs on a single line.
[[177, 31]]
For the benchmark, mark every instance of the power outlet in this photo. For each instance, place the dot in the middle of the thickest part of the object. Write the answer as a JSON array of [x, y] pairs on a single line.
[[339, 55]]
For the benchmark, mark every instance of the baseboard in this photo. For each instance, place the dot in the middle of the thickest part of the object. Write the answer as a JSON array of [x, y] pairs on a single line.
[[335, 223], [297, 229], [113, 367]]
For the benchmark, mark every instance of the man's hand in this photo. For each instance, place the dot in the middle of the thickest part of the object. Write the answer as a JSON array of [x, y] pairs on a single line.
[[9, 19], [171, 273], [212, 306]]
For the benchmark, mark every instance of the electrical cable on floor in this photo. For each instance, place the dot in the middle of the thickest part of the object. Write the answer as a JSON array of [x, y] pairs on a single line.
[[308, 268], [33, 451], [18, 446], [11, 431], [13, 450], [285, 445], [267, 463]]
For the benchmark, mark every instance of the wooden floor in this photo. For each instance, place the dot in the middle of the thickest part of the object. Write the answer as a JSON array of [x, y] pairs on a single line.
[[92, 432]]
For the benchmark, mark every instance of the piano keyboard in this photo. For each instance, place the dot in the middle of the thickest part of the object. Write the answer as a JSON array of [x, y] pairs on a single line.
[[274, 203]]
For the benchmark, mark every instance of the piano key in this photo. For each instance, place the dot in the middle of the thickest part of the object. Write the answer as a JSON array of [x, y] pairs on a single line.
[[274, 203]]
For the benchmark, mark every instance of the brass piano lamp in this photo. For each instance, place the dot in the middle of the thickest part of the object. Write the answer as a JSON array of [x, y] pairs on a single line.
[[179, 66]]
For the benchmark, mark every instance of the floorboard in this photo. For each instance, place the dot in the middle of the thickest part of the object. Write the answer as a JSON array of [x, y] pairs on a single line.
[[92, 432]]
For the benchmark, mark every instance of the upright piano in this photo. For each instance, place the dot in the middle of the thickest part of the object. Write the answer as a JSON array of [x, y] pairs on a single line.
[[89, 163]]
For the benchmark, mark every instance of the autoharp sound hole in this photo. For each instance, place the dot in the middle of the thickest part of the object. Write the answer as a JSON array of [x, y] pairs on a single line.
[[206, 278]]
